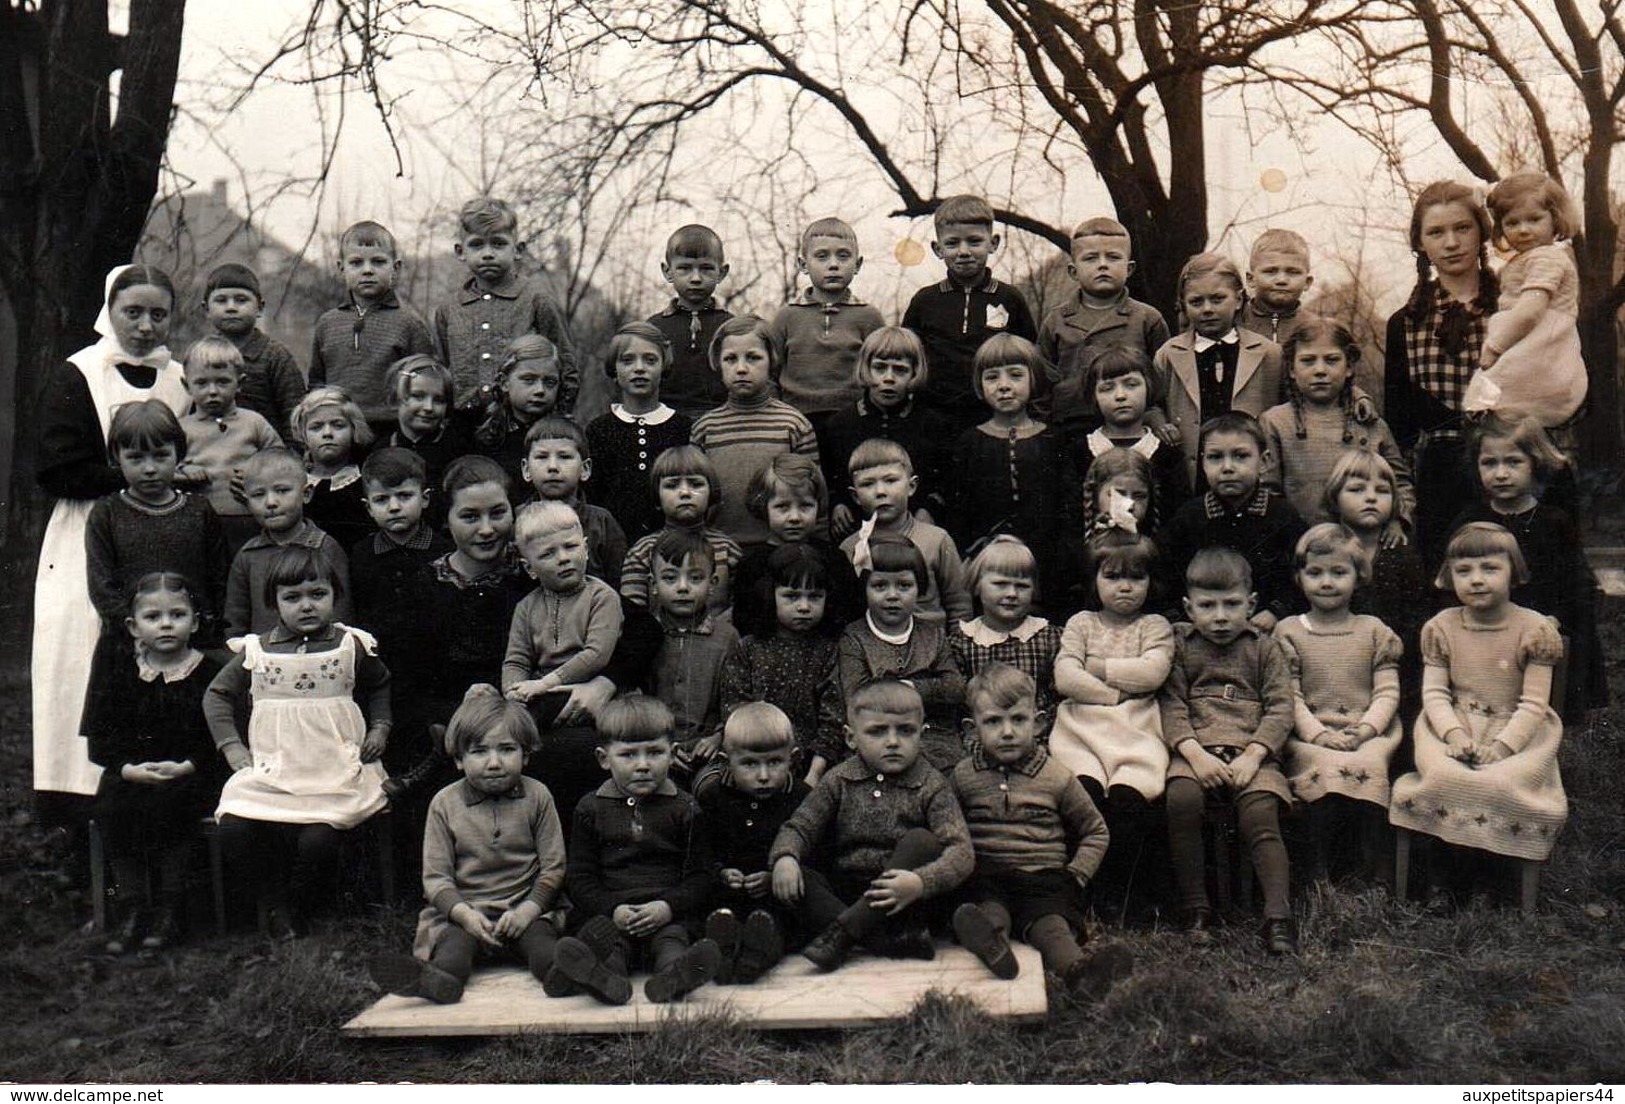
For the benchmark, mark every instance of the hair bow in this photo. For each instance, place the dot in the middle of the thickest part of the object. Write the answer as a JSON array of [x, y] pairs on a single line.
[[1120, 512], [862, 560]]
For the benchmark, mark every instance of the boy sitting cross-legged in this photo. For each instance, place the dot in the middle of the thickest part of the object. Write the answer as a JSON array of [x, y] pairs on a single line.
[[897, 838], [490, 891], [640, 868], [757, 794], [1024, 811]]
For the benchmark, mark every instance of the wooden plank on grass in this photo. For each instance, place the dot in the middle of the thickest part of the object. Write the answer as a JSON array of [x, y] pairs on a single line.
[[865, 992]]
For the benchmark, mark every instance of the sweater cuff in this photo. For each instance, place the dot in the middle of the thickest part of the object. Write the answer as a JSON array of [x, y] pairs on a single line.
[[446, 900]]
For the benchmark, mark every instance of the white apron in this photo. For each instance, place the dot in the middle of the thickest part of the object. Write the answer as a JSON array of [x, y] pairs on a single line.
[[305, 732], [65, 622]]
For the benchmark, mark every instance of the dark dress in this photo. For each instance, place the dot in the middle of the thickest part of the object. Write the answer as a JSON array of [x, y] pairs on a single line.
[[1024, 486], [624, 447], [925, 434], [129, 719], [126, 539], [1402, 596], [1265, 531], [338, 506]]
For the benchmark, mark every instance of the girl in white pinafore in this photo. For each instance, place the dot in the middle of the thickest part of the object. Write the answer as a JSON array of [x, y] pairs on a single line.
[[310, 771]]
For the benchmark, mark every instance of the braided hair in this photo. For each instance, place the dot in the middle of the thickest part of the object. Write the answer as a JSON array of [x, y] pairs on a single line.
[[1311, 328], [1420, 304]]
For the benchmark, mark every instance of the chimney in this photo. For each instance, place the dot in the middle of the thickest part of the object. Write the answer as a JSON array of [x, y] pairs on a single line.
[[218, 191]]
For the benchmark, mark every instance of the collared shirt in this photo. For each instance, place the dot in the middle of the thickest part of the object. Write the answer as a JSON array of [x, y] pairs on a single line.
[[687, 671], [353, 348], [1021, 816], [631, 850], [473, 333], [246, 609], [818, 345], [1030, 647], [219, 445], [953, 322], [689, 383]]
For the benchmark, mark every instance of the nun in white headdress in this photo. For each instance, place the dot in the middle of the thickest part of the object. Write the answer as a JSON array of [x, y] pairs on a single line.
[[130, 363]]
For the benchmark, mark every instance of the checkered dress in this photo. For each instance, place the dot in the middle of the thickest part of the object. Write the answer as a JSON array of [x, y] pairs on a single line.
[[1434, 369]]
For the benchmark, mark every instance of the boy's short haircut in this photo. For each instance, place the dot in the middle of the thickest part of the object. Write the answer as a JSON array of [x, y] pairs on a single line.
[[272, 461], [744, 325], [758, 726], [487, 215], [367, 233], [471, 471], [1124, 360], [634, 719], [388, 468], [147, 424], [889, 553], [877, 452], [695, 241], [1131, 554], [318, 397], [1483, 538], [792, 472], [1001, 686], [884, 695], [1005, 554], [645, 331], [1232, 421], [1219, 568], [798, 565], [214, 351], [892, 343], [1358, 463], [295, 564], [1008, 348], [1289, 242], [554, 428], [1333, 538], [1101, 226], [962, 210], [539, 519], [485, 712], [686, 460], [232, 275], [398, 381], [828, 228], [678, 546]]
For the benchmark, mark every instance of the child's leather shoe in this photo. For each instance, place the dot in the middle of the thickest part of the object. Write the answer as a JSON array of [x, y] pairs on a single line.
[[1093, 975], [1197, 924], [722, 927], [406, 976], [978, 935], [1280, 936], [760, 947], [915, 942], [830, 947], [584, 967], [600, 936], [697, 966]]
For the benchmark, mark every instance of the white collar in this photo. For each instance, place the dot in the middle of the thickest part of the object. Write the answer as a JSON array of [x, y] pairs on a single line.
[[338, 480], [983, 635], [897, 640], [658, 416], [1100, 444], [149, 673], [1203, 343]]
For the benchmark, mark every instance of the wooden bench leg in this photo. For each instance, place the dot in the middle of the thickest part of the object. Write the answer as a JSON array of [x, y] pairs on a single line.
[[98, 878], [1528, 885], [217, 874], [1402, 863]]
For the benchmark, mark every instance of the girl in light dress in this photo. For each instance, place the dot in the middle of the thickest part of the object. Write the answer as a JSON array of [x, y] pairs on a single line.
[[1345, 692], [308, 771], [1531, 365], [1486, 744]]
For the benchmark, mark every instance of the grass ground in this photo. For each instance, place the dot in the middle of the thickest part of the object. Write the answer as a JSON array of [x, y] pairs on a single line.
[[1382, 992]]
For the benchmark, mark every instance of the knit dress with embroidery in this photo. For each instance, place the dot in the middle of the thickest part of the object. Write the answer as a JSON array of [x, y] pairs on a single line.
[[1514, 807], [1332, 672]]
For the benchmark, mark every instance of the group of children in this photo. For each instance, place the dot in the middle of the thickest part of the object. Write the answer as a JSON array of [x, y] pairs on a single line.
[[743, 593]]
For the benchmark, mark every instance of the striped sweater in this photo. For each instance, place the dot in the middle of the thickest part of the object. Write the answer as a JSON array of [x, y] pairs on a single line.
[[742, 439]]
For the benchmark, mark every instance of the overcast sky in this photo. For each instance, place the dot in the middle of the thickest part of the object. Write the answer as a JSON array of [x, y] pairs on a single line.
[[1257, 180]]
